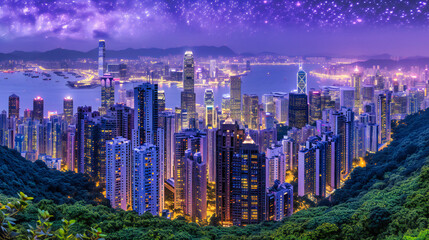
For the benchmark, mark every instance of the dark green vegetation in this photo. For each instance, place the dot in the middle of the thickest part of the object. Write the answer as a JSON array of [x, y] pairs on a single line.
[[36, 180], [387, 199]]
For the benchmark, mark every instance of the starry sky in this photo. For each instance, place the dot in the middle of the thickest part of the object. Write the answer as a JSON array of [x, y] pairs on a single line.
[[304, 27]]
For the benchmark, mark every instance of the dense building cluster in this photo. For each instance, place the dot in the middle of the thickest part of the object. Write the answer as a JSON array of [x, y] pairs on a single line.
[[150, 158]]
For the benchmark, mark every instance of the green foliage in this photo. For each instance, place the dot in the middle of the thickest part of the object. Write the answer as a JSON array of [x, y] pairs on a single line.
[[34, 179], [43, 228]]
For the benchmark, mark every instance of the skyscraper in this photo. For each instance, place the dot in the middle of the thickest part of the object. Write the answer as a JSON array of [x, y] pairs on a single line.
[[83, 115], [301, 81], [14, 106], [383, 116], [107, 92], [248, 193], [315, 100], [68, 109], [276, 164], [298, 110], [312, 168], [118, 184], [268, 102], [146, 180], [38, 109], [188, 94], [347, 97], [146, 113], [357, 84], [212, 68], [196, 185], [167, 121], [101, 58], [209, 109], [235, 94], [195, 141], [279, 201], [251, 111], [161, 100], [226, 110], [228, 142]]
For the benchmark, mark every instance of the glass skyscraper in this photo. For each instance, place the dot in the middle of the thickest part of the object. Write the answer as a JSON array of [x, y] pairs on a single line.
[[301, 81], [188, 95], [101, 58], [146, 113], [235, 98]]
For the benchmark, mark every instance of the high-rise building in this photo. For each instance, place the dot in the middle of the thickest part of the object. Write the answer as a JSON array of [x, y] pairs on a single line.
[[368, 93], [68, 109], [268, 102], [251, 111], [188, 103], [167, 121], [38, 109], [350, 139], [196, 141], [226, 108], [118, 163], [146, 180], [146, 113], [14, 106], [298, 110], [228, 142], [276, 164], [210, 112], [107, 92], [212, 68], [248, 186], [211, 154], [161, 101], [83, 115], [290, 148], [384, 117], [357, 84], [281, 102], [312, 168], [315, 100], [279, 201], [235, 94], [347, 97], [196, 186], [70, 149], [101, 58], [301, 81], [333, 160]]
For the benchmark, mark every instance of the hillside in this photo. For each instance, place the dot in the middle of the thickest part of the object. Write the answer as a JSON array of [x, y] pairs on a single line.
[[34, 179], [387, 199]]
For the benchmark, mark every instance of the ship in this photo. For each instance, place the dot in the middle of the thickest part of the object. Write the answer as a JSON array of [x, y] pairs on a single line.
[[78, 85]]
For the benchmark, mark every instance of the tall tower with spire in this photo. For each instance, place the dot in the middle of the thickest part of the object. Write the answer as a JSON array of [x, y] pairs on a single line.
[[301, 80], [101, 58], [357, 84], [188, 94]]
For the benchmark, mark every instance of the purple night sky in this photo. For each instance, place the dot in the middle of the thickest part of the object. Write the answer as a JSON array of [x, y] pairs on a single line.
[[337, 27]]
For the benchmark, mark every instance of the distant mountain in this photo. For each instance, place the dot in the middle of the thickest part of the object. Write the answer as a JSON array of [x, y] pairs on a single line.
[[405, 63], [60, 54]]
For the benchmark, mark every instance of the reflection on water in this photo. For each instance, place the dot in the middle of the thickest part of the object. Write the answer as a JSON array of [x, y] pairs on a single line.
[[261, 80]]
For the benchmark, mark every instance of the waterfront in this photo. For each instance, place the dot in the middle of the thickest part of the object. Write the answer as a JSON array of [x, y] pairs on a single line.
[[260, 80]]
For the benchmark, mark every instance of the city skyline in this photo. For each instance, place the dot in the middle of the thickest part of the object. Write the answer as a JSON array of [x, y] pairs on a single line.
[[302, 129]]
